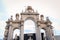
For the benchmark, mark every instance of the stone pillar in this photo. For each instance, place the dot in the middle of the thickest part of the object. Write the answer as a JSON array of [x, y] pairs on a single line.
[[6, 32], [49, 31], [49, 34], [22, 31], [10, 35], [38, 34]]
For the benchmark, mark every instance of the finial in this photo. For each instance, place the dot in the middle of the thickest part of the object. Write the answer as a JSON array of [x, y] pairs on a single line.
[[29, 9], [47, 18], [48, 21], [8, 19], [11, 16], [11, 19], [42, 17], [17, 16]]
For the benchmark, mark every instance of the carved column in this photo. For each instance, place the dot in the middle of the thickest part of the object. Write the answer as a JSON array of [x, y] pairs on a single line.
[[49, 33], [10, 35], [6, 32], [38, 34], [22, 31]]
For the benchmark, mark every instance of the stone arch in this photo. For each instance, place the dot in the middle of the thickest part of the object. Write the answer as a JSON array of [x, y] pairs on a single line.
[[31, 18], [16, 33], [17, 28], [37, 30], [31, 24]]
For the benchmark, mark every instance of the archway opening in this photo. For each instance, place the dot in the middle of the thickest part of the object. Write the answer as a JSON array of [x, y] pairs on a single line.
[[16, 33], [43, 34], [29, 26]]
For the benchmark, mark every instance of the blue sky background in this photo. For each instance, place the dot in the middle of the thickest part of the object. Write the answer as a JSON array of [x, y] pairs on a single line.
[[50, 8]]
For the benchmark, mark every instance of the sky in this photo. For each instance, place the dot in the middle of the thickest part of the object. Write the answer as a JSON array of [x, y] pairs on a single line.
[[50, 8]]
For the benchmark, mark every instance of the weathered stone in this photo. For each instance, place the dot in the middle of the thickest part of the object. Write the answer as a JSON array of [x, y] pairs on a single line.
[[19, 24]]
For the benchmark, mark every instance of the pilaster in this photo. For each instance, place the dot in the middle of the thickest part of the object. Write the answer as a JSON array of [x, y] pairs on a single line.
[[49, 33], [10, 35], [22, 31], [38, 33]]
